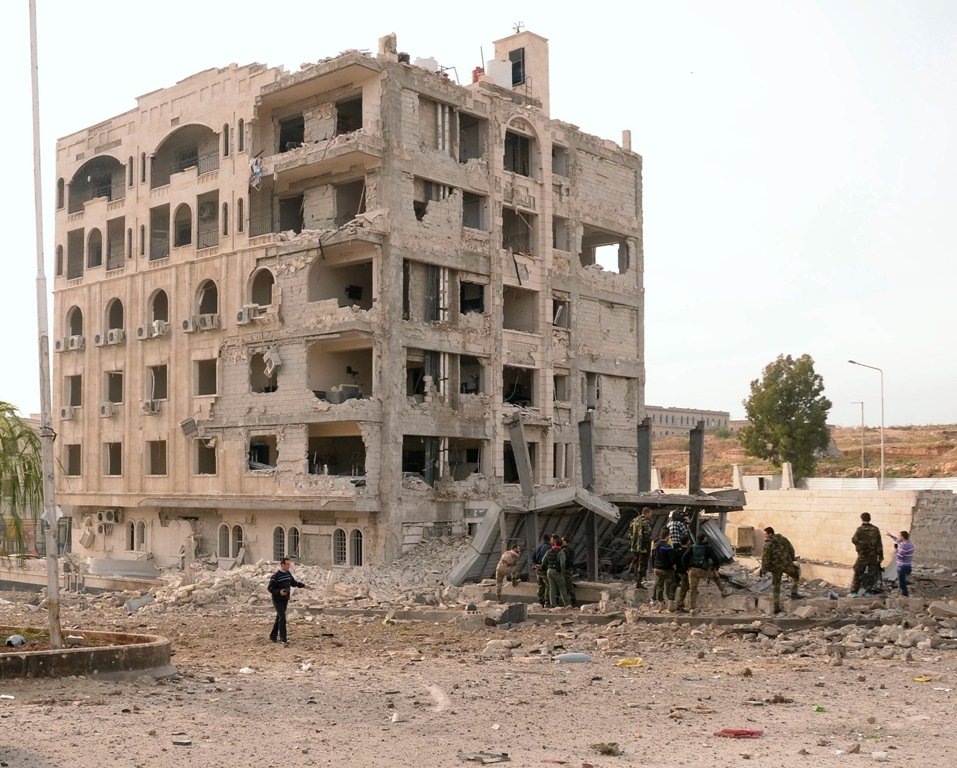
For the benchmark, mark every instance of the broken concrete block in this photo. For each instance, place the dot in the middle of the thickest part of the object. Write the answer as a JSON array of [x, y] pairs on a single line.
[[942, 610], [806, 611]]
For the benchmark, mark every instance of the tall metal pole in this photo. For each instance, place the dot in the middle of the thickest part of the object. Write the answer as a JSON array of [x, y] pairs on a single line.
[[880, 483], [43, 333], [861, 403]]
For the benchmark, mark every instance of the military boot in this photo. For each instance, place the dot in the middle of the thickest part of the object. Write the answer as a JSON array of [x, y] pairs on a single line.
[[671, 606]]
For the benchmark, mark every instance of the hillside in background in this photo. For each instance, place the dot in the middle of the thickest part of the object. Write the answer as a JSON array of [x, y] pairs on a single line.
[[925, 451]]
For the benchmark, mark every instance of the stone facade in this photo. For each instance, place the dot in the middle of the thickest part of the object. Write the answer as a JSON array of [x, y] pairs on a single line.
[[680, 421], [293, 311]]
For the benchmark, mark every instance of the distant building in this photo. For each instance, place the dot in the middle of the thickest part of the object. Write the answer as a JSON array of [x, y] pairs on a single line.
[[680, 421]]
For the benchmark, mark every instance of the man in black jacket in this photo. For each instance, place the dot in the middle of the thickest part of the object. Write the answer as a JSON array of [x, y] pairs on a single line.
[[280, 586]]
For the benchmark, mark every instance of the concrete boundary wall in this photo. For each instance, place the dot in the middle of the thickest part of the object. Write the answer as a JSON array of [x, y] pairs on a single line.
[[820, 523]]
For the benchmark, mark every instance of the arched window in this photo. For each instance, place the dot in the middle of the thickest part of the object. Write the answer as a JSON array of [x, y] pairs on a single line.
[[140, 536], [207, 298], [60, 196], [59, 260], [183, 226], [159, 306], [114, 315], [94, 248], [74, 321], [226, 140], [225, 218], [223, 546], [129, 243], [292, 548], [129, 172], [142, 167], [260, 289], [278, 543], [142, 239], [355, 547], [237, 541], [339, 547], [131, 535], [241, 135], [240, 219]]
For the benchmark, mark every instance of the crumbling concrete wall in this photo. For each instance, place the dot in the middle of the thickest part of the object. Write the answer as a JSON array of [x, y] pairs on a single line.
[[934, 528]]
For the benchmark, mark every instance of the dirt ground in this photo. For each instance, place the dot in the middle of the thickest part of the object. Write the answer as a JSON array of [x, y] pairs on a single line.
[[362, 692]]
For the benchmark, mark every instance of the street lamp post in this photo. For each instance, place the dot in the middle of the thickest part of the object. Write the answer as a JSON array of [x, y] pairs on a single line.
[[861, 403], [880, 484]]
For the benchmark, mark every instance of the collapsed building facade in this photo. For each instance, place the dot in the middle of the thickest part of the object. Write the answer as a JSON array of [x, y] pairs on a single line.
[[323, 313]]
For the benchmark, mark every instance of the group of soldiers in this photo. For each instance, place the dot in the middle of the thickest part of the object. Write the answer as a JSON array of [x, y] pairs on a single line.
[[680, 562]]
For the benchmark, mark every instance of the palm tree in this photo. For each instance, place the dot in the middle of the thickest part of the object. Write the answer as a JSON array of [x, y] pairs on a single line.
[[21, 478]]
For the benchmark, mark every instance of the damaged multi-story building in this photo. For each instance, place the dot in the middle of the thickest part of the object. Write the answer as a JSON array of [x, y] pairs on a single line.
[[326, 312]]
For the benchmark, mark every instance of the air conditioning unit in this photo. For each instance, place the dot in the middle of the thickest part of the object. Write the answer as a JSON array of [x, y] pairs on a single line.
[[107, 409], [112, 516], [61, 344], [115, 336], [76, 342], [144, 332], [101, 529], [67, 412], [244, 316], [190, 325], [99, 339], [208, 322], [160, 327], [151, 406]]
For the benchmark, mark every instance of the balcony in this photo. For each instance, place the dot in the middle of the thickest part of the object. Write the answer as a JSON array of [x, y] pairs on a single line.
[[339, 154]]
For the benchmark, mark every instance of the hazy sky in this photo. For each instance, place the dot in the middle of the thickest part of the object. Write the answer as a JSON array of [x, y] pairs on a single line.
[[800, 163]]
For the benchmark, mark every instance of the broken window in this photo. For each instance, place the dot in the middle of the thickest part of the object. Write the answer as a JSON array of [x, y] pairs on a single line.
[[559, 160], [205, 383], [471, 297], [591, 390], [436, 124], [339, 552], [113, 459], [73, 391], [465, 457], [560, 389], [205, 456], [72, 464], [156, 383], [424, 368], [348, 115], [207, 228], [561, 313], [474, 211], [471, 375], [156, 457], [517, 231], [424, 192], [263, 452], [519, 310], [260, 290], [292, 133], [159, 307], [182, 226], [208, 298], [420, 457], [606, 249], [94, 249], [74, 322], [518, 153], [259, 380], [471, 137], [339, 455], [518, 386], [159, 232], [436, 294], [113, 386], [114, 315], [517, 60], [291, 214], [350, 284], [561, 234], [337, 375], [350, 201], [74, 254], [510, 474]]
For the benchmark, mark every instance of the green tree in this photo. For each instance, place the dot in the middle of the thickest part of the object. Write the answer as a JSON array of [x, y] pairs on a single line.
[[21, 477], [787, 415]]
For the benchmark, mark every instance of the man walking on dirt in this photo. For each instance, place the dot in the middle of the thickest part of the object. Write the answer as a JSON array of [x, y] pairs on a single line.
[[641, 544], [778, 559], [870, 552], [280, 586]]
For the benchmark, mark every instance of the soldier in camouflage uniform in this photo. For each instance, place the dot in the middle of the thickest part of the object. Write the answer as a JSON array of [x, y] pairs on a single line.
[[870, 552], [641, 543], [778, 559]]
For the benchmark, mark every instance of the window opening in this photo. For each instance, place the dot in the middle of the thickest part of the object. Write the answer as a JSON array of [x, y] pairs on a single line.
[[560, 388], [238, 540], [293, 547], [606, 249], [519, 310], [114, 315], [159, 307], [516, 231], [59, 261], [223, 548], [348, 116], [259, 381], [473, 211], [471, 297], [263, 452], [208, 298], [292, 133], [156, 457], [205, 457], [94, 249], [74, 321], [471, 376], [114, 386], [355, 541], [226, 140], [559, 160], [159, 232], [241, 135], [291, 214], [72, 464], [225, 219], [73, 394], [113, 459], [517, 59], [182, 226], [350, 201], [278, 543], [518, 386], [518, 153], [205, 377], [240, 220], [339, 547], [157, 383], [471, 137], [140, 536], [262, 286]]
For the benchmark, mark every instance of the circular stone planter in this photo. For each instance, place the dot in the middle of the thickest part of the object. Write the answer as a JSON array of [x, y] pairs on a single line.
[[116, 654]]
